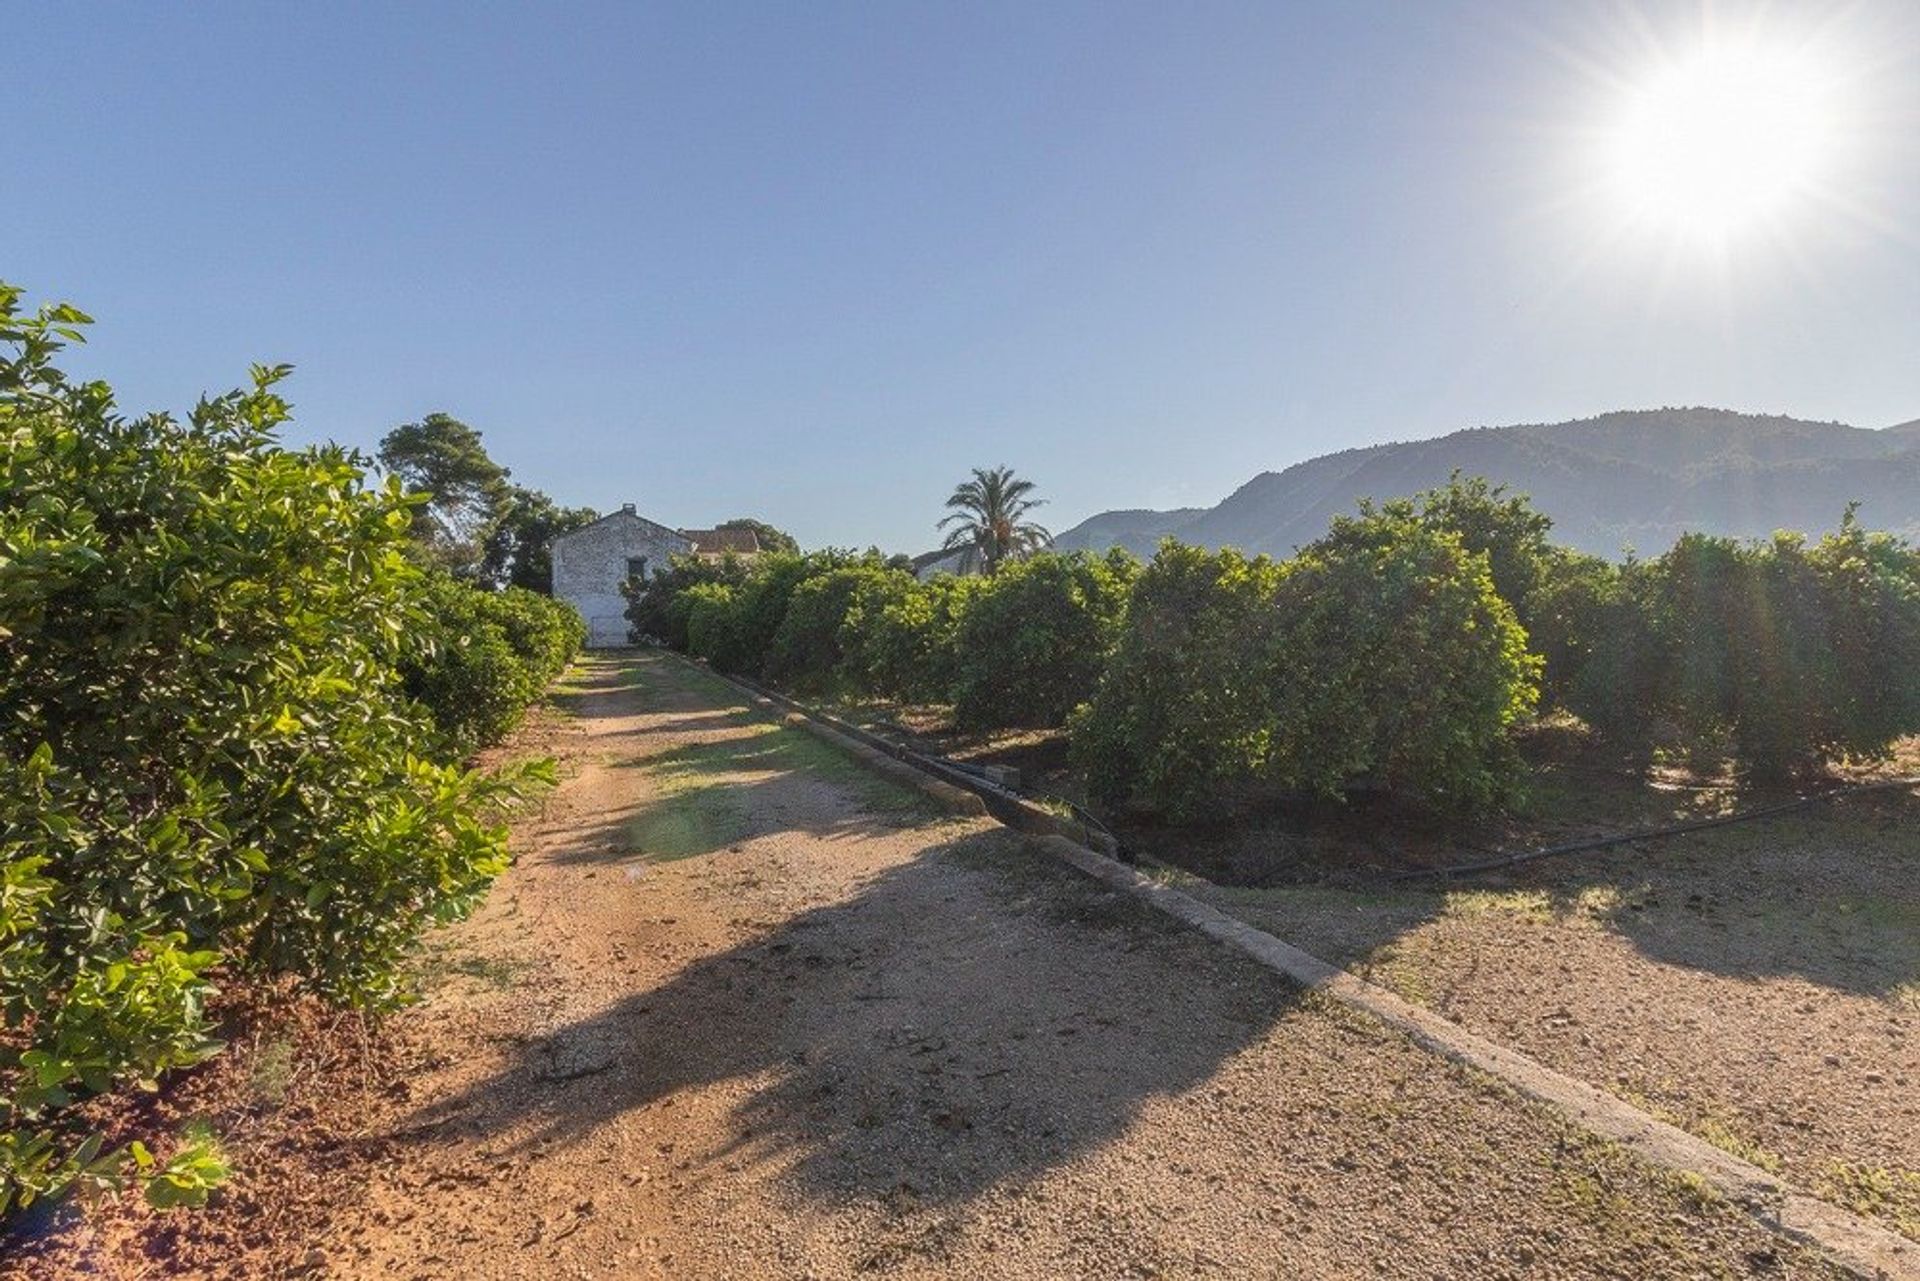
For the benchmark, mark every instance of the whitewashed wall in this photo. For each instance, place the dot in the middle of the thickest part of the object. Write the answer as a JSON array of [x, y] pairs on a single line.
[[590, 564]]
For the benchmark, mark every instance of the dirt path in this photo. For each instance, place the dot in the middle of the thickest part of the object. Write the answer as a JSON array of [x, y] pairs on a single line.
[[742, 1010]]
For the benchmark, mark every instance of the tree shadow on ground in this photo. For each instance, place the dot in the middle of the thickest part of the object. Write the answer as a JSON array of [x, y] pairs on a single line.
[[905, 1042], [715, 794], [1829, 895], [695, 722]]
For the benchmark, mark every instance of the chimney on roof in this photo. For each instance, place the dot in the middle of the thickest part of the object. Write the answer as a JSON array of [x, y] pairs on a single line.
[[627, 508]]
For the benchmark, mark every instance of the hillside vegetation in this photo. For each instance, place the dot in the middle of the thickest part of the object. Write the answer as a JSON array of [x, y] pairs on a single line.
[[1636, 480]]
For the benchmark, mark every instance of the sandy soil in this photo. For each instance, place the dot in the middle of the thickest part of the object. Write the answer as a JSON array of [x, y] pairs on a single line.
[[742, 1010], [1758, 985]]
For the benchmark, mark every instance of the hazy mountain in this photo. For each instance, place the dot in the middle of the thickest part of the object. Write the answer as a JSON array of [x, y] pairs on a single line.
[[1636, 479]]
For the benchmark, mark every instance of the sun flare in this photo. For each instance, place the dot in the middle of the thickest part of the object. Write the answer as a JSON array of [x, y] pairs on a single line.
[[1726, 141]]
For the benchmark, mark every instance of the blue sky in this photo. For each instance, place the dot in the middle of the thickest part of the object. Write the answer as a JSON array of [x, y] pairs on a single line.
[[812, 262]]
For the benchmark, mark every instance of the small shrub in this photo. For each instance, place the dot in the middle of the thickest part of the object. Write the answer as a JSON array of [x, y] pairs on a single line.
[[659, 608], [478, 658], [713, 626], [759, 604], [763, 601]]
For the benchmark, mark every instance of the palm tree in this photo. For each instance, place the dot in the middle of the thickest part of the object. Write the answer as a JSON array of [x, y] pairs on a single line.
[[988, 519]]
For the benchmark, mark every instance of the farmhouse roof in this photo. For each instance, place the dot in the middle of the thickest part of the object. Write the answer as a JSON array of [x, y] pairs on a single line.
[[626, 512], [715, 542]]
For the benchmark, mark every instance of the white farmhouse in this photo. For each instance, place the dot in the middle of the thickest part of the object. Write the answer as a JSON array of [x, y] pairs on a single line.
[[592, 563]]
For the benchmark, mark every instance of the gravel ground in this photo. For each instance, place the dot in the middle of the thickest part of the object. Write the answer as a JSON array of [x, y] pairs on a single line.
[[1758, 985], [742, 1011]]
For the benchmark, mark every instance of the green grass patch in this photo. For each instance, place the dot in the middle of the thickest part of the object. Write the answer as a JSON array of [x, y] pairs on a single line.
[[1528, 905], [1594, 1180], [688, 822], [438, 962], [1890, 1195], [1397, 967], [1704, 1124], [705, 790]]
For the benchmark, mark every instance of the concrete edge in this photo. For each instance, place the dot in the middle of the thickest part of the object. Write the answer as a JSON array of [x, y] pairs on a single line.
[[955, 799], [1854, 1243]]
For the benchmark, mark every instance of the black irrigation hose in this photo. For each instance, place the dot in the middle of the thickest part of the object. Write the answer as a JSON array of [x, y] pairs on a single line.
[[1651, 833], [1080, 812]]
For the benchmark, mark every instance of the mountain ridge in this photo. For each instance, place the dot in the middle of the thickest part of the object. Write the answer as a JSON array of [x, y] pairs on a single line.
[[1630, 479]]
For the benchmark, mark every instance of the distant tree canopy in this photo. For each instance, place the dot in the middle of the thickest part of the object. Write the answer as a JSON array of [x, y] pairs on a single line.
[[771, 539], [518, 550], [1395, 653], [466, 492], [473, 521]]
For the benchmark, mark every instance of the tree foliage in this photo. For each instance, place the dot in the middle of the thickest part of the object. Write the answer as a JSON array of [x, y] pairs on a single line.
[[1182, 715], [478, 658], [517, 550], [1035, 636], [1783, 653], [824, 621], [207, 763], [987, 520], [1395, 653], [470, 520], [715, 626], [761, 604], [908, 646], [1398, 666], [658, 608], [1502, 526], [1380, 657], [463, 493]]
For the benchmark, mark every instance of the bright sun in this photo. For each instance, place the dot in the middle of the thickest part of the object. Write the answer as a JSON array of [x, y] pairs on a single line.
[[1726, 142]]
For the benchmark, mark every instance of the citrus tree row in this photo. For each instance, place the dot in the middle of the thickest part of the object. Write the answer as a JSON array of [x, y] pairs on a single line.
[[234, 708], [1396, 653]]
